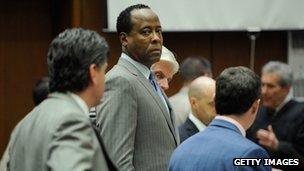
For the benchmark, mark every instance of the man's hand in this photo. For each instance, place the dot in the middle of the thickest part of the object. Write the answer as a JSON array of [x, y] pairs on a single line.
[[267, 138]]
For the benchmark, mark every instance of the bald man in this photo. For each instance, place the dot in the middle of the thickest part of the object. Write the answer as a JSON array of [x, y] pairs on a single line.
[[201, 97]]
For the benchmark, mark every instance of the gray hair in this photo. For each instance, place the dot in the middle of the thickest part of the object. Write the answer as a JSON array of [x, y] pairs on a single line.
[[282, 70]]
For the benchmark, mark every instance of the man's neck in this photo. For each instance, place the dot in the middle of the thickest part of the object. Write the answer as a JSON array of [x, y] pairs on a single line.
[[286, 100]]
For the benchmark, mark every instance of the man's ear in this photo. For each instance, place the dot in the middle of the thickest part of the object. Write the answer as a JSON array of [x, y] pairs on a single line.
[[123, 39], [255, 106], [93, 70], [193, 102]]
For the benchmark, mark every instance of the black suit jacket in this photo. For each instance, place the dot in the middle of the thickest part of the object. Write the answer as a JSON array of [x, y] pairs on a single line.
[[288, 126], [187, 129]]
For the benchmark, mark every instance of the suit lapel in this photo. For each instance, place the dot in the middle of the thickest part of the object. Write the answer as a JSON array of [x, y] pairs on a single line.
[[130, 67], [191, 128], [110, 164]]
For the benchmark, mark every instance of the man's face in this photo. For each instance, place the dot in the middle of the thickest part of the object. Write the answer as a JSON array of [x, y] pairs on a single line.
[[272, 93], [206, 108], [144, 42], [163, 73]]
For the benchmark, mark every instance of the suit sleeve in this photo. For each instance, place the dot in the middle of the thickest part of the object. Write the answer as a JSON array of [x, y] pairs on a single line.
[[117, 121], [72, 146]]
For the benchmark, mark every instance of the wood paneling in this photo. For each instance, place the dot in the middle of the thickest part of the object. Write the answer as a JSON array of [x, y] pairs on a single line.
[[25, 32]]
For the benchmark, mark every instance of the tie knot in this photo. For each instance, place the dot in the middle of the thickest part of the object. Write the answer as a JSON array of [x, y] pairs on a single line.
[[152, 81], [151, 77]]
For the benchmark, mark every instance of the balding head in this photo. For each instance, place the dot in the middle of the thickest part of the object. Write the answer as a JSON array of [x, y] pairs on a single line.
[[165, 68], [201, 96]]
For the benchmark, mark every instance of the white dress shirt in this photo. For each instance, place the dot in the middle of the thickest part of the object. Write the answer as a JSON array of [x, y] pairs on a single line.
[[199, 125]]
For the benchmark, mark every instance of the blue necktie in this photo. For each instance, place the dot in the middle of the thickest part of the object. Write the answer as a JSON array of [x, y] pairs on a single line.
[[158, 90], [152, 81]]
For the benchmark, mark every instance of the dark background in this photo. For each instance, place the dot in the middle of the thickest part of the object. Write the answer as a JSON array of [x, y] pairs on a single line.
[[27, 28]]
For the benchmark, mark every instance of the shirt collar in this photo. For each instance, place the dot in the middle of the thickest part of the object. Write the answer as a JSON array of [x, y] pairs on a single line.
[[184, 90], [142, 68], [199, 125], [80, 102], [287, 99], [234, 122]]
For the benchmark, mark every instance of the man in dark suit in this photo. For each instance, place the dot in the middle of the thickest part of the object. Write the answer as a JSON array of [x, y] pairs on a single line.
[[135, 118], [58, 134], [216, 148], [279, 125], [201, 97]]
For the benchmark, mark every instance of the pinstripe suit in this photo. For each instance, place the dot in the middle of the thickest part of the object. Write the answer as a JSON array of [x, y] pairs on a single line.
[[138, 131]]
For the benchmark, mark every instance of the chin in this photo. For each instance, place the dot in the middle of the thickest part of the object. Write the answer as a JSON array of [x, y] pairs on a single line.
[[155, 59], [268, 105]]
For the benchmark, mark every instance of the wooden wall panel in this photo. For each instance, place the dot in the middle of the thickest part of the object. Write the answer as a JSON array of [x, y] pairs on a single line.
[[230, 49], [186, 44], [270, 46], [25, 32]]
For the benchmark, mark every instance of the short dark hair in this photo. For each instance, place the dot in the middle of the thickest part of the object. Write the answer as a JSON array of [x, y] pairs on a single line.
[[70, 55], [40, 90], [193, 67], [123, 22], [236, 90]]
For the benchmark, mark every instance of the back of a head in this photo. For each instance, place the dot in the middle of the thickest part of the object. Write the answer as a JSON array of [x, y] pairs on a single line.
[[193, 67], [237, 88], [40, 90], [70, 55], [123, 22], [200, 86], [282, 70]]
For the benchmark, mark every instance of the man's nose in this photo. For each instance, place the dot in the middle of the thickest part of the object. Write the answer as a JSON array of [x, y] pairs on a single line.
[[164, 84], [264, 90], [156, 37]]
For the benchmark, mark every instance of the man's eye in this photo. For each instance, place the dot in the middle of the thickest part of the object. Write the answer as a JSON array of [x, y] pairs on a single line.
[[146, 32], [158, 76]]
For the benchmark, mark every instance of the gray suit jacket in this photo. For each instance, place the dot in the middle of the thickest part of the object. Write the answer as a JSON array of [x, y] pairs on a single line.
[[56, 135], [138, 131]]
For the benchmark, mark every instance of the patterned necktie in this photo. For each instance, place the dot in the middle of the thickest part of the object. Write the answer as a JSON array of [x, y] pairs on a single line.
[[158, 90], [153, 82]]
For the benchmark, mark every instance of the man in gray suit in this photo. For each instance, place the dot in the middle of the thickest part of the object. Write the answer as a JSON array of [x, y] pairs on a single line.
[[57, 134], [135, 118]]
